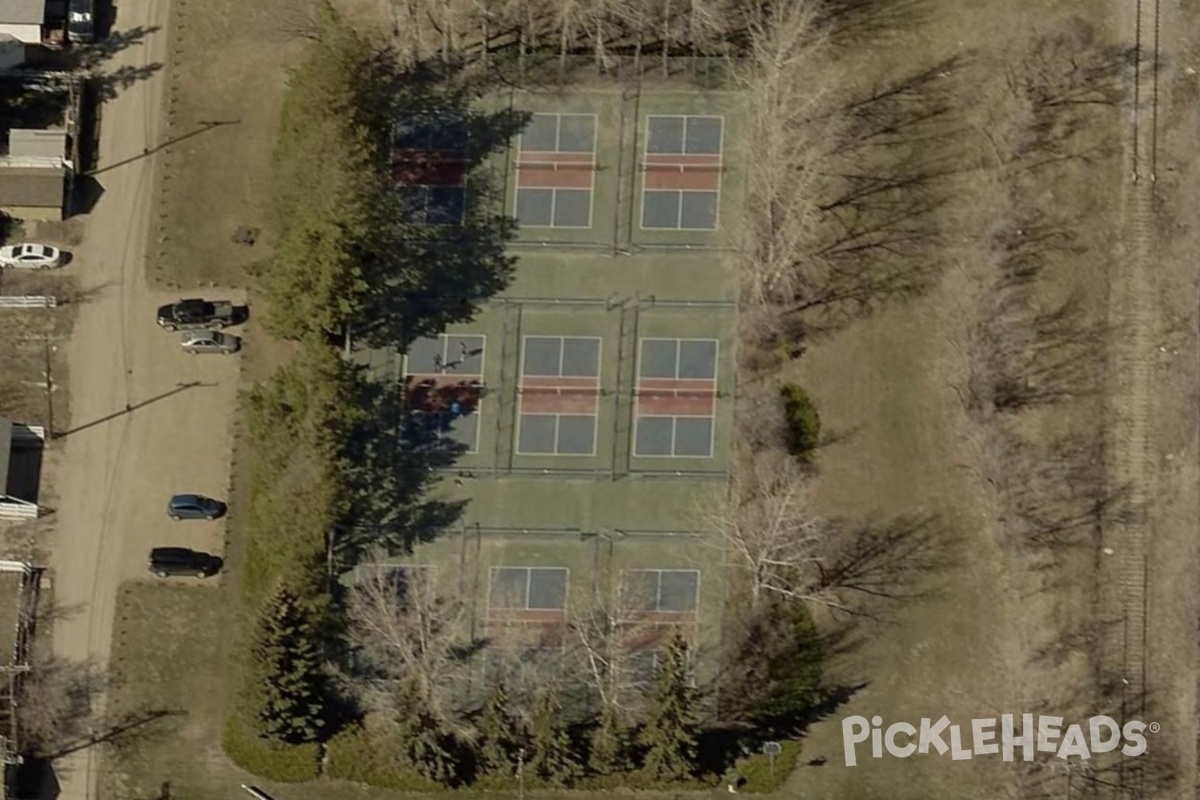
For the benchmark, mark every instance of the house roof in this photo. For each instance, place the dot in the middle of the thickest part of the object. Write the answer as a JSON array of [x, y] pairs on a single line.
[[27, 12], [5, 451], [48, 142], [32, 187]]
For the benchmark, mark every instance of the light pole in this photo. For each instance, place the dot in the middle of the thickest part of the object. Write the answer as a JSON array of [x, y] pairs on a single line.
[[521, 773], [330, 540]]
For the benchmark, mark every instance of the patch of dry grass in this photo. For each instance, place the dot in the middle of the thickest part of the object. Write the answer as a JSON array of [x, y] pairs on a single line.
[[166, 679], [226, 75], [27, 356]]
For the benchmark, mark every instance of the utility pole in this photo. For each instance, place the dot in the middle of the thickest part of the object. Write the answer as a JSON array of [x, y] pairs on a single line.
[[49, 389]]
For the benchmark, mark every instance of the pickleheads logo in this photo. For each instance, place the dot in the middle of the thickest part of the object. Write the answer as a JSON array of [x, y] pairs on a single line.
[[991, 737]]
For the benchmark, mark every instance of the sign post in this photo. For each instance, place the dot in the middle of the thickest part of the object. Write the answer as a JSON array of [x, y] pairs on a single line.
[[770, 750]]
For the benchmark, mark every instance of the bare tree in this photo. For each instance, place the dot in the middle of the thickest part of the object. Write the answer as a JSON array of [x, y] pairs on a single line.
[[770, 537], [607, 639], [767, 533], [782, 77], [403, 629], [54, 703]]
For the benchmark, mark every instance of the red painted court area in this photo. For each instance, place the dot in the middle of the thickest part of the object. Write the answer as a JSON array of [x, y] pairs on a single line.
[[435, 393], [534, 627], [676, 397], [543, 170], [560, 395], [682, 172], [646, 633], [429, 168], [544, 615]]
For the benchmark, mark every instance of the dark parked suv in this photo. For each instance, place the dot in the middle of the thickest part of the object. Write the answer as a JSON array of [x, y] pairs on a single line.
[[168, 561], [81, 21]]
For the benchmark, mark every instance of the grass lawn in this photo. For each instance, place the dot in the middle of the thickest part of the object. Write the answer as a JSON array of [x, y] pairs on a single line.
[[166, 666], [226, 77]]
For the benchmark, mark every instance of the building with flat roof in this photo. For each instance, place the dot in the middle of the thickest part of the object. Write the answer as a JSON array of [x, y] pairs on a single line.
[[23, 19], [37, 193]]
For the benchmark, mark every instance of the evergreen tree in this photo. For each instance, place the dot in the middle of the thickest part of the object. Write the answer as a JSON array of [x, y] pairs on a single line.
[[424, 744], [779, 666], [291, 683], [553, 757], [500, 734], [611, 744], [327, 182], [673, 722]]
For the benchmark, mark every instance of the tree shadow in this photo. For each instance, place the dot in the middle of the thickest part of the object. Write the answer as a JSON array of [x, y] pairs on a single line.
[[54, 703], [441, 253], [1060, 494], [871, 565], [22, 108], [1111, 774], [1026, 244], [90, 56], [721, 746], [885, 180], [841, 435], [855, 22], [109, 84], [398, 453], [1045, 357], [1065, 645]]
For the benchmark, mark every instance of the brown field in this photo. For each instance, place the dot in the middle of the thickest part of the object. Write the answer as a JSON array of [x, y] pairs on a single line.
[[1020, 622]]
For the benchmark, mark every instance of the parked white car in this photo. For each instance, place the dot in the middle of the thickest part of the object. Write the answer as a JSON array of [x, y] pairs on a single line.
[[196, 342], [30, 256]]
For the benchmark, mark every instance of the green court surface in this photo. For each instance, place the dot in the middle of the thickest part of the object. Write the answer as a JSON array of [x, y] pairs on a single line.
[[596, 429], [677, 275], [580, 174], [592, 401]]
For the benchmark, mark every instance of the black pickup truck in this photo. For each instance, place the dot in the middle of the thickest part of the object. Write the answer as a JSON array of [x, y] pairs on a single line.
[[196, 313]]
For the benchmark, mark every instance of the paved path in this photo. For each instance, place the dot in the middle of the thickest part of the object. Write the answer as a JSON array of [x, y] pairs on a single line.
[[136, 435]]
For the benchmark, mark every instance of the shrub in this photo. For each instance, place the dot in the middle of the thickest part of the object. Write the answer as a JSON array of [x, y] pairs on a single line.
[[757, 774], [363, 756], [803, 422], [268, 758]]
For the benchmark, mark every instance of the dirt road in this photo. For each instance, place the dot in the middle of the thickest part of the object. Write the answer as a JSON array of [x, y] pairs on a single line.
[[147, 420]]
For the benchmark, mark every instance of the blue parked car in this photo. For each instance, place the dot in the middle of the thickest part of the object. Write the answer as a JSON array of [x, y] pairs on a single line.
[[194, 506]]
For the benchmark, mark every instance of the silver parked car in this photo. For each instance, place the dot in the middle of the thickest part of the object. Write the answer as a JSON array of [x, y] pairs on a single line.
[[196, 342]]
